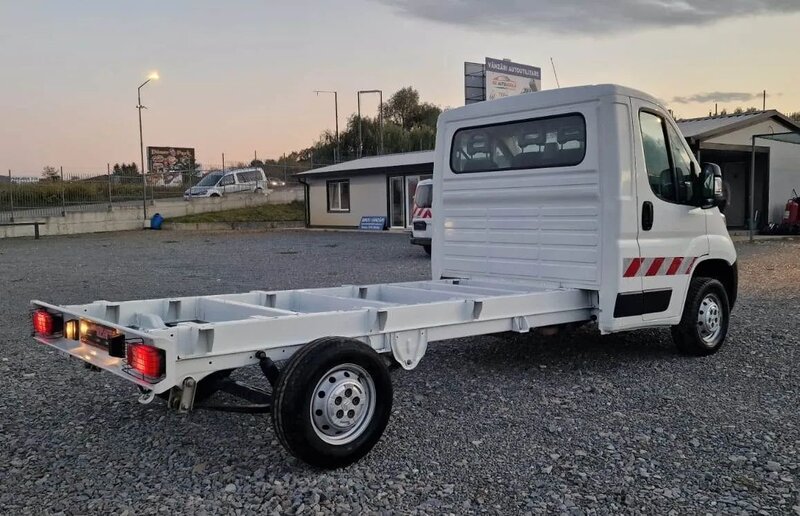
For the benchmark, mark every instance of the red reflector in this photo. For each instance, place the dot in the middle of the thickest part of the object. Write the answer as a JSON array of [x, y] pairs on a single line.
[[146, 360], [45, 323]]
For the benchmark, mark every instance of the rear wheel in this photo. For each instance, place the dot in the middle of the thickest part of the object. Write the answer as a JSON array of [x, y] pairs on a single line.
[[332, 402], [704, 324]]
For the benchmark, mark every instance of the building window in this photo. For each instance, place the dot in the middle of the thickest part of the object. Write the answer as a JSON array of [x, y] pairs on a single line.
[[339, 196], [556, 141]]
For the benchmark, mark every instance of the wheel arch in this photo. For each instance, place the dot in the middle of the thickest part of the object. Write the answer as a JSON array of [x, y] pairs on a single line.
[[722, 271]]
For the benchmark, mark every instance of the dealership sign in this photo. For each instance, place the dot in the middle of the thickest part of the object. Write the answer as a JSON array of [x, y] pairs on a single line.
[[505, 78]]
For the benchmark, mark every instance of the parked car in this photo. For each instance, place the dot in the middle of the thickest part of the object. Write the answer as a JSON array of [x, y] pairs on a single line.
[[421, 223], [274, 181], [217, 184]]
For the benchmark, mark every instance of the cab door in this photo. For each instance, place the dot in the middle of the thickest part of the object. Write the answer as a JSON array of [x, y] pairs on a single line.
[[672, 232]]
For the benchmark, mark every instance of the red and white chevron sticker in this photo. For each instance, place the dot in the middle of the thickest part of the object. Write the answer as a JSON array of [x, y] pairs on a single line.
[[658, 266], [421, 213]]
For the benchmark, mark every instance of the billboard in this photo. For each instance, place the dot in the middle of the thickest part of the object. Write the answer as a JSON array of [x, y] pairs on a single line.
[[474, 83], [166, 165], [505, 78]]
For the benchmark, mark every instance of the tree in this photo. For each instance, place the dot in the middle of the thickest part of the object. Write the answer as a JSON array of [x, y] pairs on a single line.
[[402, 106], [795, 116], [125, 169], [409, 125], [51, 173]]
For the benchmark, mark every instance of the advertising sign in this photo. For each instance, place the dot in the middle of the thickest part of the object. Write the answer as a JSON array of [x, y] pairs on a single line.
[[474, 83], [167, 165], [506, 78]]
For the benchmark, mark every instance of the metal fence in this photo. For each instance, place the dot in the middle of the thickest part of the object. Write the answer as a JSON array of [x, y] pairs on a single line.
[[63, 191]]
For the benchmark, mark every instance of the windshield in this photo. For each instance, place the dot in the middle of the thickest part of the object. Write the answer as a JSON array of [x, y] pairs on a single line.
[[211, 179], [423, 196]]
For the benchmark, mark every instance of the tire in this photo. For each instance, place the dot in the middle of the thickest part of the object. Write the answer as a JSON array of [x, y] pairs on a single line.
[[305, 412], [205, 387], [427, 249], [214, 195], [706, 315]]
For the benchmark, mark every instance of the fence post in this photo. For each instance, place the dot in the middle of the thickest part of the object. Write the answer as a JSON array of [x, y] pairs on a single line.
[[63, 199], [108, 173], [11, 194]]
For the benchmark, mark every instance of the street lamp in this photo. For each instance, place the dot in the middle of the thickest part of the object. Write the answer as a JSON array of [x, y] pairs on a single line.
[[336, 154], [152, 77], [380, 120]]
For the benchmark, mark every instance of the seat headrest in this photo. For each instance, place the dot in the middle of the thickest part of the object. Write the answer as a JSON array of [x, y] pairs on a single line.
[[531, 137], [478, 143], [571, 133]]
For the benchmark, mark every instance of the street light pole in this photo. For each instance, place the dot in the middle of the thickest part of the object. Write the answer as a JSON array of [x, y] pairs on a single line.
[[380, 119], [337, 152], [139, 106]]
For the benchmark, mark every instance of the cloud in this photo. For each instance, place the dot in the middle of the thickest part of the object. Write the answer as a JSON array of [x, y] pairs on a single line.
[[592, 16], [718, 96]]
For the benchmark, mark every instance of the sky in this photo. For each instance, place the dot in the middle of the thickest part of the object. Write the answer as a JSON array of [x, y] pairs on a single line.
[[238, 77]]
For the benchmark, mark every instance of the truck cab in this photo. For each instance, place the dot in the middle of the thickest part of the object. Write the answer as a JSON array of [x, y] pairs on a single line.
[[421, 223], [591, 188]]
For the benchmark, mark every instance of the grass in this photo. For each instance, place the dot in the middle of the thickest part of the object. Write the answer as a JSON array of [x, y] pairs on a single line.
[[294, 211]]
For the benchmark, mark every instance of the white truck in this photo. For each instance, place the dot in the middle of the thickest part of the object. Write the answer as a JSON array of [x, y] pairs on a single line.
[[421, 221], [552, 208]]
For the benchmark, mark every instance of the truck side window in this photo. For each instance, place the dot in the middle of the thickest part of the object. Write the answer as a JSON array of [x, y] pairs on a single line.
[[687, 180], [227, 180], [657, 156]]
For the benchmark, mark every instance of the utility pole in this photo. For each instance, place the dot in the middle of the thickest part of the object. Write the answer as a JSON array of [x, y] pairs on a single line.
[[223, 162], [380, 120], [153, 76], [336, 152]]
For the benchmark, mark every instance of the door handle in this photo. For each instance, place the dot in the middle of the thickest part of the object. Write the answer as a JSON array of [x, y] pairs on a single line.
[[647, 216]]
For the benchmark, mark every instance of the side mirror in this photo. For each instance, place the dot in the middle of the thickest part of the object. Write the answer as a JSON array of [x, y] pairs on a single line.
[[711, 187]]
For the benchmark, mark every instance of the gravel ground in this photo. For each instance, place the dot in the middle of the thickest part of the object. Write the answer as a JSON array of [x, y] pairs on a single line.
[[576, 424]]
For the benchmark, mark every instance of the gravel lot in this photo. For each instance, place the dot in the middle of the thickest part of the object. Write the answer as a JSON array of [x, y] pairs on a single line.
[[577, 424]]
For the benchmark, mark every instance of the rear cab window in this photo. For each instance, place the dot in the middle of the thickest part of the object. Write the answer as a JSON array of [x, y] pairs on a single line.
[[556, 141]]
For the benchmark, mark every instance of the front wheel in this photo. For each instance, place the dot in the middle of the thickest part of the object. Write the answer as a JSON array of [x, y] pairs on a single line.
[[704, 324], [427, 249], [332, 402]]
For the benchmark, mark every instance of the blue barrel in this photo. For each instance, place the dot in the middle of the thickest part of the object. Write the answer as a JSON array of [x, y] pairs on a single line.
[[156, 221]]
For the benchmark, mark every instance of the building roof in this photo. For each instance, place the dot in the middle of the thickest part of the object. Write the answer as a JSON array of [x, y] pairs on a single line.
[[711, 126], [375, 163]]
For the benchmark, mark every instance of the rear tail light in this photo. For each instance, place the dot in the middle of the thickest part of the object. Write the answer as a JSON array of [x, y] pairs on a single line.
[[145, 360], [45, 323]]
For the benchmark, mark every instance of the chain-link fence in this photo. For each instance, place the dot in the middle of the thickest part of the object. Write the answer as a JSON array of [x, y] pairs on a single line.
[[61, 191]]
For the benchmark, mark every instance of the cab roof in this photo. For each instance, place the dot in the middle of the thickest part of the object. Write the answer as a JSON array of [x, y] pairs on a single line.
[[542, 99]]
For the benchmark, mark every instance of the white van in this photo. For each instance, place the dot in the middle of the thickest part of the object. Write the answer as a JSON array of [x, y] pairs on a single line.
[[219, 183], [421, 222]]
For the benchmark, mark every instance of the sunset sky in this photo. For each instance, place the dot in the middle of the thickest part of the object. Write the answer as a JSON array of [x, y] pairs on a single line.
[[238, 76]]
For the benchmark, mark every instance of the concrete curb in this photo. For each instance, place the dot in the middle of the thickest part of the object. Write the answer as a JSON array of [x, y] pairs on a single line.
[[232, 226]]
